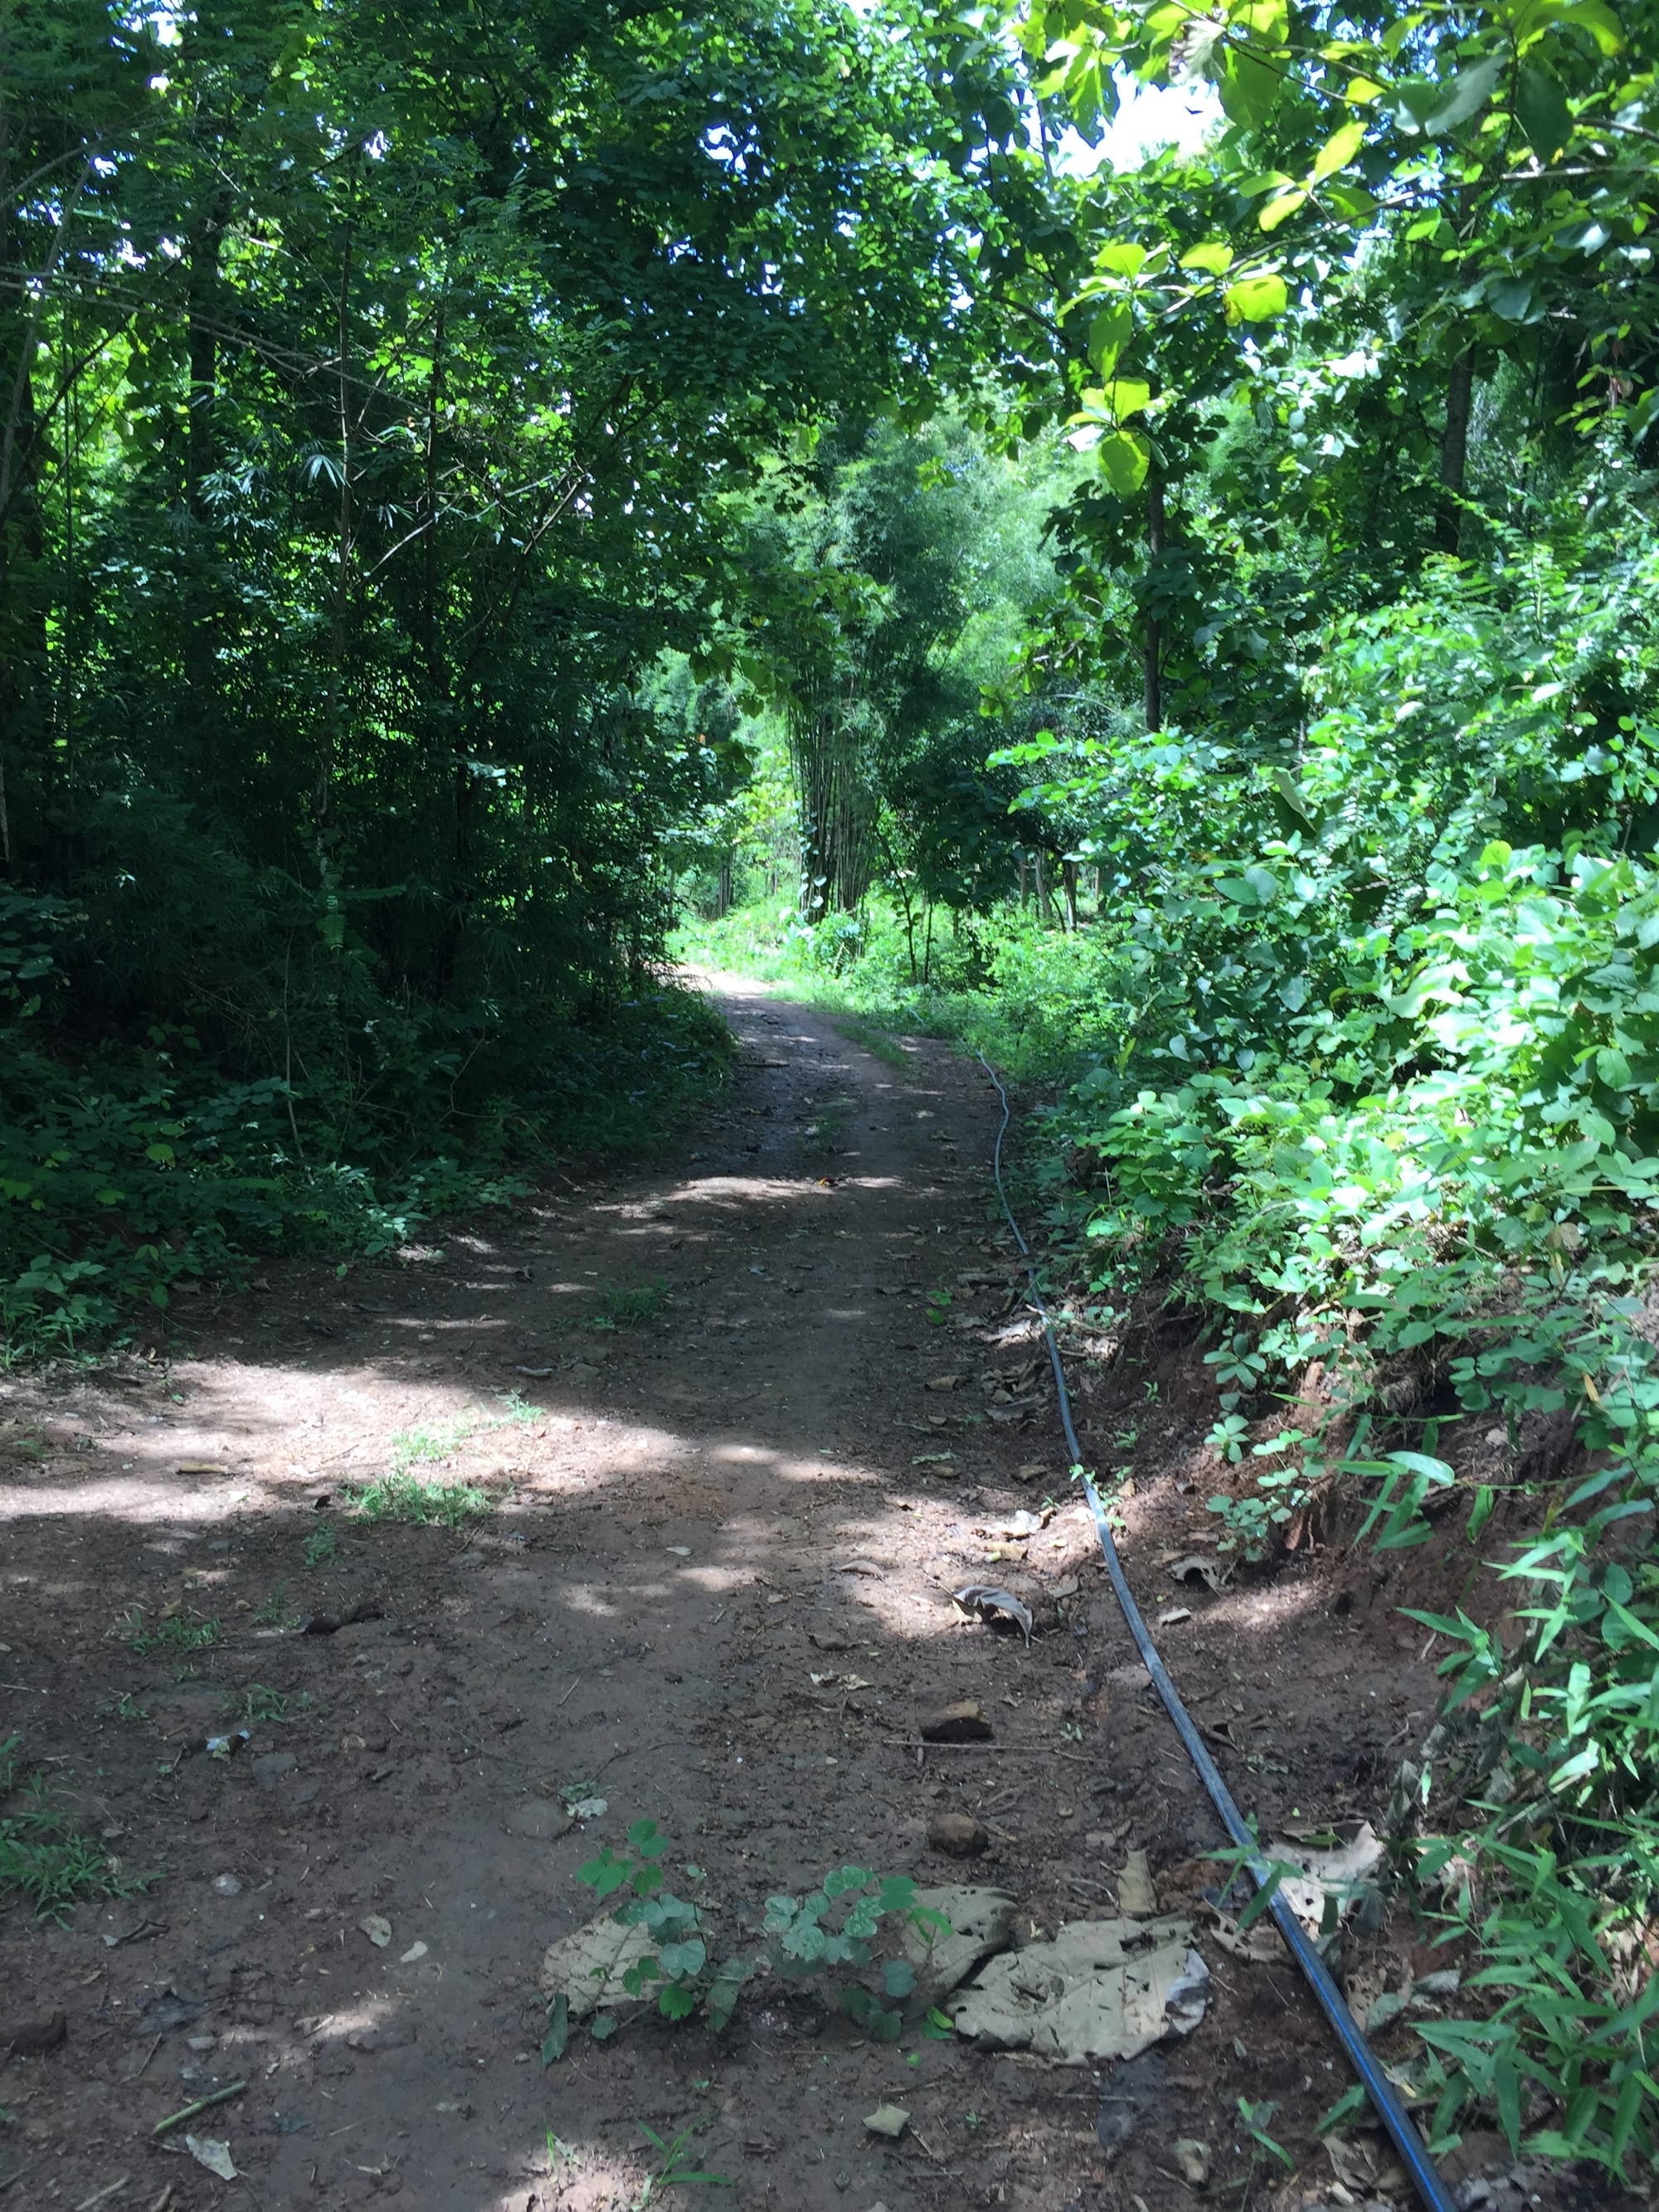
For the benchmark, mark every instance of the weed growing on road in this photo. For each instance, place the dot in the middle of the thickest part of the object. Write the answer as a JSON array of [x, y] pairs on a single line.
[[173, 1631], [402, 1495], [415, 1498], [43, 1859], [628, 1304], [835, 1925], [876, 1041], [673, 2174], [831, 1930], [255, 1704], [413, 1447], [322, 1545]]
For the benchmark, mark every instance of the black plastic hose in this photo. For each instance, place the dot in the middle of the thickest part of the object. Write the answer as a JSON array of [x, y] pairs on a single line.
[[1376, 2083]]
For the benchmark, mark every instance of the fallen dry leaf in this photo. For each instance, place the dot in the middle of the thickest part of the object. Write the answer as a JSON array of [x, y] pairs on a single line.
[[1137, 1899], [988, 1602], [208, 2151], [890, 2120], [1195, 1568]]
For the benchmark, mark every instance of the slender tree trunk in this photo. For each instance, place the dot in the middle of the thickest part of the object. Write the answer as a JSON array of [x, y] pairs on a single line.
[[1068, 893], [328, 753], [205, 240], [1455, 450], [1152, 642]]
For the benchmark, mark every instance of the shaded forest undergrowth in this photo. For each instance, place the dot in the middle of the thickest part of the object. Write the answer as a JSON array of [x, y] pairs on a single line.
[[147, 1155]]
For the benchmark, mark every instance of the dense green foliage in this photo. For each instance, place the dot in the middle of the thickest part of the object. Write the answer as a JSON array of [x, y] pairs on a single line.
[[380, 390]]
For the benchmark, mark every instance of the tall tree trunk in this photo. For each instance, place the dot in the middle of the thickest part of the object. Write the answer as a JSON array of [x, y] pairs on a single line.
[[329, 751], [1068, 893], [837, 823], [205, 239], [1153, 641], [1455, 450]]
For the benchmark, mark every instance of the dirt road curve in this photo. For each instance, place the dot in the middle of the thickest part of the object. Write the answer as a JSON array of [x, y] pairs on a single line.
[[715, 1590]]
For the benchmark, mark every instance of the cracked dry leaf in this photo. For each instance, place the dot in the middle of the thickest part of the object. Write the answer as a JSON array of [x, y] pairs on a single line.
[[1102, 1988]]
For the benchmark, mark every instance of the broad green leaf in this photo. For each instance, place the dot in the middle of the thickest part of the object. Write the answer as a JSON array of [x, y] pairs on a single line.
[[1124, 457], [1267, 20], [558, 2029], [1338, 150], [1290, 792], [1249, 87], [682, 1959], [1598, 22], [1465, 94], [1280, 210], [1109, 332], [1126, 395], [1512, 299], [1256, 299], [1541, 109], [1213, 257], [1122, 259]]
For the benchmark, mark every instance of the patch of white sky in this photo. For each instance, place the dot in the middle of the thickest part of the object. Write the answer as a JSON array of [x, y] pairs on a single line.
[[1149, 118]]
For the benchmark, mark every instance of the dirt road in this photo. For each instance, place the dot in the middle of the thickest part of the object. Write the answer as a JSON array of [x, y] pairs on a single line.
[[775, 1397]]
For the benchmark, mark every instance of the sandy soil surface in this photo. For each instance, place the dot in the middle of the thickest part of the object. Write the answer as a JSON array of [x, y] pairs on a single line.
[[715, 1589]]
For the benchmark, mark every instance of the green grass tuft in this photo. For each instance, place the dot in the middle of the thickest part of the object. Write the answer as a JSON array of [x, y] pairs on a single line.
[[44, 1859], [401, 1496]]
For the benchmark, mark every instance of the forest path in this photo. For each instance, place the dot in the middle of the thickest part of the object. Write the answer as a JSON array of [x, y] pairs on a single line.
[[706, 1510]]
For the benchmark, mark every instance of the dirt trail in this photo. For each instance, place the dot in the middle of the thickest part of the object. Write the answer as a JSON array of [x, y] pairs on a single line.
[[707, 1509]]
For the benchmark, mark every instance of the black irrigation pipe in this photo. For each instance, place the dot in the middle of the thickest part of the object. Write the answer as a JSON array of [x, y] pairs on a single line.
[[1389, 2110]]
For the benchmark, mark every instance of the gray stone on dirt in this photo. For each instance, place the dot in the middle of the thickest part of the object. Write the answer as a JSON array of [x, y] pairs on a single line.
[[982, 1923], [959, 1835], [962, 1722], [271, 1766], [391, 2037]]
